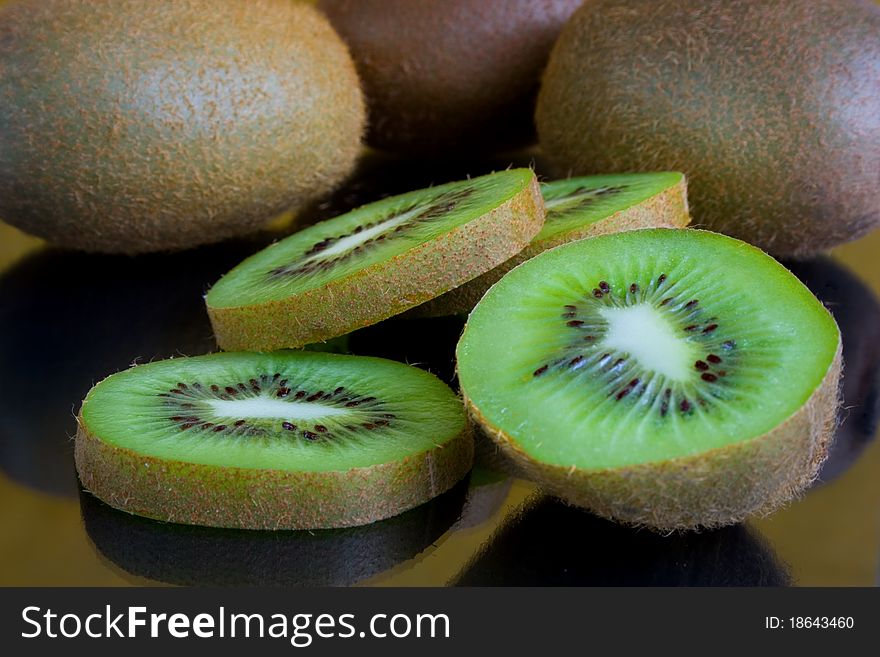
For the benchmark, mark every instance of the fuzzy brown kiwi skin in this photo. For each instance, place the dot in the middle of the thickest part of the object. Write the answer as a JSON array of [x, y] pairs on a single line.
[[770, 108], [259, 111], [707, 490], [387, 288], [442, 76], [668, 209], [216, 496]]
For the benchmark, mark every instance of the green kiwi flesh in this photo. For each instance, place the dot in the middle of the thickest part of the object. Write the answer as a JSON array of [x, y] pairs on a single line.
[[772, 110], [578, 208], [374, 262], [288, 440], [668, 378], [150, 125]]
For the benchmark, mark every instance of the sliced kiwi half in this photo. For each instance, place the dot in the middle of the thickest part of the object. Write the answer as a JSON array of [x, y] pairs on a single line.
[[578, 208], [668, 378], [289, 440], [374, 262]]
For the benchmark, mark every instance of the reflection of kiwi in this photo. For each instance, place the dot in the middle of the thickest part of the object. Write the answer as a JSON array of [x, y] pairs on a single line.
[[70, 319], [294, 440], [770, 108], [428, 343], [209, 556], [667, 378], [857, 312], [374, 262], [551, 544], [144, 125], [449, 75], [578, 208], [487, 493]]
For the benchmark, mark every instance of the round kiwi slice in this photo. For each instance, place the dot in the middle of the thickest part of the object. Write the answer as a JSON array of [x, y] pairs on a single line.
[[294, 440], [578, 208], [667, 378], [374, 262]]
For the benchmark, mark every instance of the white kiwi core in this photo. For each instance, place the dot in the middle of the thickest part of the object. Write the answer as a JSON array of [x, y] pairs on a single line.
[[647, 335]]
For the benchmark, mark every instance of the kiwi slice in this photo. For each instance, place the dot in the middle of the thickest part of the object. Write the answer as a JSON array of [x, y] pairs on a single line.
[[294, 440], [668, 378], [374, 262], [578, 208]]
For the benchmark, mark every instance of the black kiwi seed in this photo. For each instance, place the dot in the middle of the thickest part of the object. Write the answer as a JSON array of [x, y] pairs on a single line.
[[439, 207], [187, 398], [584, 354]]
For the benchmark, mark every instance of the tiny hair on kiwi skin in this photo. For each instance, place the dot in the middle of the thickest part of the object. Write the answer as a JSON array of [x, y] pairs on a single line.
[[286, 440], [375, 262], [672, 379], [132, 126], [579, 208], [772, 109]]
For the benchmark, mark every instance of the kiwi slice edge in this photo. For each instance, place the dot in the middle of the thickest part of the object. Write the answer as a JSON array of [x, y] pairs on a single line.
[[700, 479], [358, 454], [310, 301], [580, 208]]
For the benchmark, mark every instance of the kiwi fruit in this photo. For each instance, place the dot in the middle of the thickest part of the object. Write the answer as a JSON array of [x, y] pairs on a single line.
[[771, 109], [190, 555], [578, 208], [549, 543], [374, 262], [449, 75], [672, 379], [147, 125], [288, 440]]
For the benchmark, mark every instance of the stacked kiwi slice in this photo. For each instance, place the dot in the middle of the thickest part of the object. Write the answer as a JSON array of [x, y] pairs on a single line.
[[578, 208], [374, 262]]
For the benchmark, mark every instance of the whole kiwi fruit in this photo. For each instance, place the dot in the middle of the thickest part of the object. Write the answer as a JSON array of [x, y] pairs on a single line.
[[449, 75], [146, 125], [771, 108]]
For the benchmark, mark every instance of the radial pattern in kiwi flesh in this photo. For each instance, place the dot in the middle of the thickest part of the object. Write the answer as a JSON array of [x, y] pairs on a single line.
[[578, 208], [294, 440], [374, 262], [667, 378]]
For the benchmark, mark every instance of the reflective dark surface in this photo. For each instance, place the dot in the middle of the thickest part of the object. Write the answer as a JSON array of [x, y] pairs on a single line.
[[207, 556], [67, 320], [548, 543]]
